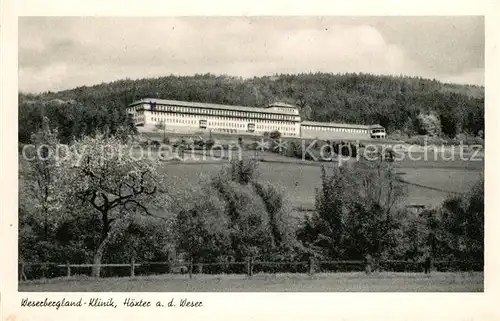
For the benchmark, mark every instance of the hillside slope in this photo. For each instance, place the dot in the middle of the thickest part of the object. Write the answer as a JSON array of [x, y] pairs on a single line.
[[394, 102]]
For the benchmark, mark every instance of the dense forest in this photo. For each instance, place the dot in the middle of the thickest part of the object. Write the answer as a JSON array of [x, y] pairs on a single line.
[[397, 103]]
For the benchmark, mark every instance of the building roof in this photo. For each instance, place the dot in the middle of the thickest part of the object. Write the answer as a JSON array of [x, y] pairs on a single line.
[[209, 105], [354, 126]]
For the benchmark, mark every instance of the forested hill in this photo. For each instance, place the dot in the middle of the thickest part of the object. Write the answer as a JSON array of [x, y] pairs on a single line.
[[394, 102]]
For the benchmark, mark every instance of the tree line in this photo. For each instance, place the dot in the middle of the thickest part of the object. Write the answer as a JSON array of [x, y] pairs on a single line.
[[96, 204], [403, 105]]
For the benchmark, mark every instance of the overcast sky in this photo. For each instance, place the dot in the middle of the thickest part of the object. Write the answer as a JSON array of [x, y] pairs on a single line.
[[62, 53]]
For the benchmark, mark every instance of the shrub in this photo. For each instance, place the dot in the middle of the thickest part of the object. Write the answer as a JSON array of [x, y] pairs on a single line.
[[275, 135], [398, 135], [234, 215], [429, 124], [353, 215], [420, 140], [209, 143], [462, 225]]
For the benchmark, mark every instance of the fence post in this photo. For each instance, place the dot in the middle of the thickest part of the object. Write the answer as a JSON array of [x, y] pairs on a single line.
[[68, 270], [200, 268], [43, 268], [249, 266], [311, 265], [132, 267], [21, 272], [368, 264], [191, 269], [427, 265]]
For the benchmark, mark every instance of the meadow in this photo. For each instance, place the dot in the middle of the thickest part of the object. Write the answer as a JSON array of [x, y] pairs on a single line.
[[326, 282], [428, 182]]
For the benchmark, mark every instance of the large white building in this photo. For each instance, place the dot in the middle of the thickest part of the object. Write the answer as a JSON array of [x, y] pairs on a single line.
[[184, 117]]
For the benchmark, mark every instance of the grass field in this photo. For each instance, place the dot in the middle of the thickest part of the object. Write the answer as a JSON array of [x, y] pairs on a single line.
[[338, 282], [430, 182]]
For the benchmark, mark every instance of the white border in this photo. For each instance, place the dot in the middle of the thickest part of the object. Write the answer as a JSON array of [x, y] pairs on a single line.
[[235, 306]]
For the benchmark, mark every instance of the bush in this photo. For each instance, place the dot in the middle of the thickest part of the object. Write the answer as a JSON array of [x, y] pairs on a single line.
[[462, 224], [275, 135], [466, 140], [471, 140], [145, 238], [398, 135], [353, 216], [461, 137], [209, 143], [477, 141], [233, 215], [423, 140], [429, 124]]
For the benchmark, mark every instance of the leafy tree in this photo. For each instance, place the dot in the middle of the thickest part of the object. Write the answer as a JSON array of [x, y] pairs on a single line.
[[275, 135], [463, 223], [452, 231], [366, 231], [413, 245], [203, 228], [354, 212], [233, 215], [449, 121], [40, 183], [429, 124], [278, 210], [145, 238]]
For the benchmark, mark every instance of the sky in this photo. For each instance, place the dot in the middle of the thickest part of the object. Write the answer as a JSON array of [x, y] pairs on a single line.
[[57, 53]]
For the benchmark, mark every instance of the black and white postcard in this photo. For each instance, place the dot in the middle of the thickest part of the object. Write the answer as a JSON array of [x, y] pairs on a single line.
[[172, 162]]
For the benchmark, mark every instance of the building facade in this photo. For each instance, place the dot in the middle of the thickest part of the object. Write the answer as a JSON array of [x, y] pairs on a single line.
[[192, 117], [310, 129]]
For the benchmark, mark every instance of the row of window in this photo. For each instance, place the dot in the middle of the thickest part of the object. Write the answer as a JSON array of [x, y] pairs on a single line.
[[195, 122], [232, 119], [335, 129], [217, 112], [287, 110], [174, 121], [229, 125], [274, 122], [287, 131], [279, 128]]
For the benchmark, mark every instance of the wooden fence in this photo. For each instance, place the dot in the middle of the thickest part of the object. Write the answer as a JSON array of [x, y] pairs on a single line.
[[249, 267]]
